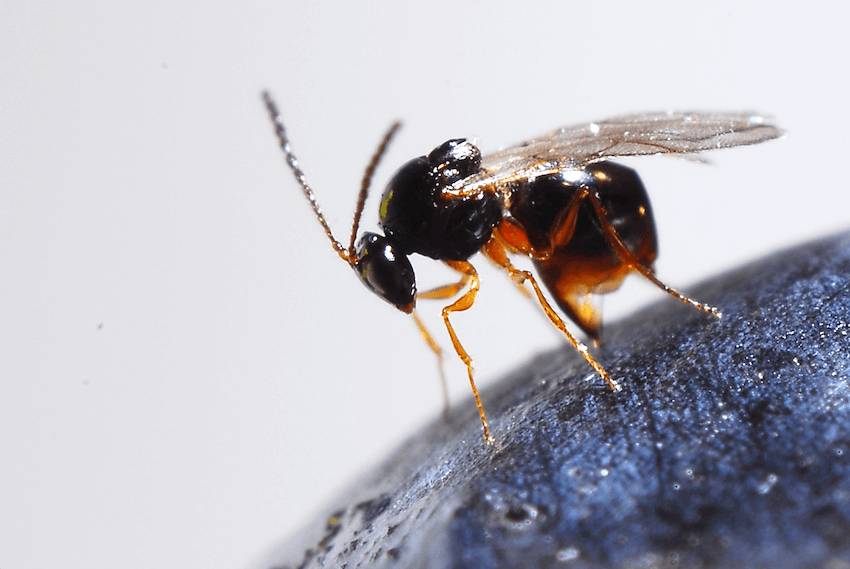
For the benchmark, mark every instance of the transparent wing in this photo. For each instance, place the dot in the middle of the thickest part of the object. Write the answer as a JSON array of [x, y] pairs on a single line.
[[630, 135]]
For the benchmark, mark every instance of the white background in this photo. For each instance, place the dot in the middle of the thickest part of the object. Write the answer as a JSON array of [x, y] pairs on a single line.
[[187, 371]]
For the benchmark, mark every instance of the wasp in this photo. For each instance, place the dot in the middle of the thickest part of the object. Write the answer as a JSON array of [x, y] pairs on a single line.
[[584, 221]]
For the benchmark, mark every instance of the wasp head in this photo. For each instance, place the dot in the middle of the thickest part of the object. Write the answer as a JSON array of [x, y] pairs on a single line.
[[386, 271]]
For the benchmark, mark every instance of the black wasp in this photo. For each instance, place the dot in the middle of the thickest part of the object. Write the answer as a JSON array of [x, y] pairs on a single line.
[[584, 221]]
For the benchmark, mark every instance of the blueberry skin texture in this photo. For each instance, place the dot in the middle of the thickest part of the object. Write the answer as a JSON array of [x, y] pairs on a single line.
[[729, 446]]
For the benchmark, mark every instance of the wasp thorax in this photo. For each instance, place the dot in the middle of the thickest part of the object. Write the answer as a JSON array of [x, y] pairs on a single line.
[[417, 218], [386, 271], [455, 159]]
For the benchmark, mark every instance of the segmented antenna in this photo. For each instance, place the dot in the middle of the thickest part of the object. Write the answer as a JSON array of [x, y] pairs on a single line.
[[280, 131], [367, 181], [347, 255]]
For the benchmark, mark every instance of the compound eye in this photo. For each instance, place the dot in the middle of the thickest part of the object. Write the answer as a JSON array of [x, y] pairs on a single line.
[[455, 159], [385, 271]]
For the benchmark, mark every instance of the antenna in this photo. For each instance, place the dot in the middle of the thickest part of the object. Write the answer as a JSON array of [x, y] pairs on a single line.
[[347, 255], [280, 131]]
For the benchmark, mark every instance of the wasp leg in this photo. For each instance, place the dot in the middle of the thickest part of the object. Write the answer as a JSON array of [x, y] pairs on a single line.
[[525, 292], [469, 278], [628, 258], [496, 252], [438, 352], [445, 291], [439, 293]]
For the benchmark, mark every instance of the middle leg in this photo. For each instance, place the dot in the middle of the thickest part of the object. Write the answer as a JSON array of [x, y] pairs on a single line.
[[496, 252]]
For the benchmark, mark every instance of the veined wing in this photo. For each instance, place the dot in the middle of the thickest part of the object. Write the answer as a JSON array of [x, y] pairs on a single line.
[[629, 135]]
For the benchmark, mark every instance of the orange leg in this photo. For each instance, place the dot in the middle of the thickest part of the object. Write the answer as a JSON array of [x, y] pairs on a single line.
[[438, 352], [628, 258], [496, 252], [446, 291], [469, 277], [439, 293]]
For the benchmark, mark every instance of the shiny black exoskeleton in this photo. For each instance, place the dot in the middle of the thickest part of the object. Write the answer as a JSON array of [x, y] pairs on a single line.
[[565, 236], [541, 207], [584, 222], [568, 241], [417, 218]]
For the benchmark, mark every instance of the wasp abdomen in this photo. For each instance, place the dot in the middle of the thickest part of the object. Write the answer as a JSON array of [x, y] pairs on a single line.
[[569, 244]]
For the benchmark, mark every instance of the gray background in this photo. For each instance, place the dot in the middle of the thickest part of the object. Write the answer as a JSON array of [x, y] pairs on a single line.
[[187, 372]]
